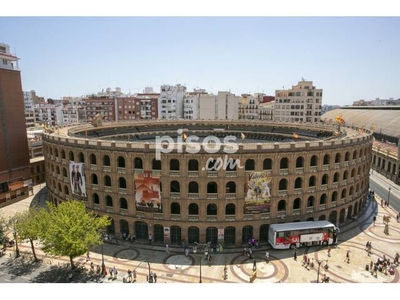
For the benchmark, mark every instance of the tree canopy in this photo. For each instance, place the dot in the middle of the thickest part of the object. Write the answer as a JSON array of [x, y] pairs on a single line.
[[70, 229]]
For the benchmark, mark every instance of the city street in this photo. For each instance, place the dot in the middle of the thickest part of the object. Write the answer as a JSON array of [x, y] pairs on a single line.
[[176, 267]]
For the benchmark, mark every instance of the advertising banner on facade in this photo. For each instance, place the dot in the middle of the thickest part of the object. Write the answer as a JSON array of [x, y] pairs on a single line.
[[147, 192], [166, 232], [77, 179], [258, 192]]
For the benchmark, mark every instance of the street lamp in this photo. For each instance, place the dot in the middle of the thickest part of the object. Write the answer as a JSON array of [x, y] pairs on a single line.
[[319, 262], [389, 195], [205, 249]]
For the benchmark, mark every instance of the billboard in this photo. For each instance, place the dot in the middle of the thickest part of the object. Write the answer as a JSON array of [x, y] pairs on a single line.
[[77, 180], [147, 192], [258, 192]]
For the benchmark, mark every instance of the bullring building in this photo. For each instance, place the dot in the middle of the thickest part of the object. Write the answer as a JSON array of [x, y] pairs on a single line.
[[210, 181]]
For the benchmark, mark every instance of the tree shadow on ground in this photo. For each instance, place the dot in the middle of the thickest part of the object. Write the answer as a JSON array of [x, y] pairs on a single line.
[[58, 274], [21, 267]]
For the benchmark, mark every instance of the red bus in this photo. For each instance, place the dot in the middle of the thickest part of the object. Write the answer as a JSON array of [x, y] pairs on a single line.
[[302, 234]]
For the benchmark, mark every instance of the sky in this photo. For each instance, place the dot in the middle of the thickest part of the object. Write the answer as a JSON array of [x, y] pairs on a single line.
[[350, 58]]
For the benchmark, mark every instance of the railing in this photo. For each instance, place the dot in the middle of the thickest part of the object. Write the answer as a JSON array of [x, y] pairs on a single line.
[[109, 209], [66, 179], [108, 189], [324, 187], [157, 216], [106, 168], [311, 189], [175, 217], [335, 184], [174, 173], [281, 214], [156, 172], [230, 218], [322, 207], [264, 216], [211, 218], [325, 167], [193, 195], [63, 161], [296, 212], [212, 196], [122, 191], [174, 195], [282, 193], [193, 173], [230, 195], [283, 171], [310, 209], [138, 171], [231, 173], [124, 211], [96, 206], [95, 187], [297, 191], [212, 174], [337, 165], [247, 217], [193, 218], [121, 170], [299, 170]]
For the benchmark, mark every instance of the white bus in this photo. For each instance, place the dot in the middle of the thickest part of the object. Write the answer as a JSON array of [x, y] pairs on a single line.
[[302, 234]]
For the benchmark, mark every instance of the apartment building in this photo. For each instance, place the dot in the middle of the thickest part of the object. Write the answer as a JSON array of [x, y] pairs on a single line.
[[104, 106], [301, 103], [138, 107], [171, 101]]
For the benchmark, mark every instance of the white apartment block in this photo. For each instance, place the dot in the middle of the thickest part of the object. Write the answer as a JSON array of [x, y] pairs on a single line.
[[170, 102], [30, 98], [192, 104], [49, 114], [266, 111], [301, 103], [223, 106], [74, 111], [248, 107], [7, 60]]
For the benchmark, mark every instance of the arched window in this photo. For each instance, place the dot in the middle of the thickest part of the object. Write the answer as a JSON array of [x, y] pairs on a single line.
[[121, 162], [66, 190], [81, 157], [106, 160], [193, 209], [297, 203], [156, 164], [313, 161], [344, 194], [174, 165], [212, 188], [58, 170], [311, 181], [345, 175], [347, 156], [56, 152], [324, 179], [93, 159], [353, 173], [326, 159], [310, 201], [211, 209], [355, 154], [283, 185], [336, 177], [282, 205], [284, 164], [107, 180], [175, 208], [95, 198], [193, 187], [231, 187], [249, 166], [230, 209], [334, 196], [94, 179], [337, 158], [323, 199], [300, 162], [267, 164], [109, 201], [123, 204], [122, 183], [193, 165], [298, 183], [71, 156], [62, 154], [138, 163], [175, 187]]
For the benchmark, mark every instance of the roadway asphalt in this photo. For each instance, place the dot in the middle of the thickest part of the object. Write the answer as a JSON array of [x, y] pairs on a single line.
[[175, 267]]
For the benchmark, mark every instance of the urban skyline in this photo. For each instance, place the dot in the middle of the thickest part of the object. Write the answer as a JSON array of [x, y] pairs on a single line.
[[350, 58]]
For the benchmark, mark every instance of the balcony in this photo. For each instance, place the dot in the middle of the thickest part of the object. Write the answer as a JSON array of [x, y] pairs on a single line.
[[283, 171], [124, 211], [296, 212], [247, 217], [337, 165], [230, 218], [93, 167], [322, 207], [282, 193], [108, 189], [174, 173], [66, 180], [311, 189], [64, 162], [122, 191], [343, 201], [157, 216], [109, 209], [95, 187], [106, 168], [281, 214], [344, 182], [335, 184], [325, 167], [175, 217], [299, 170], [297, 191], [231, 173], [138, 171], [212, 196], [193, 195], [211, 218], [156, 172], [265, 216], [346, 163], [193, 218], [96, 206], [175, 195], [57, 159], [230, 196], [121, 170], [324, 187], [310, 209], [212, 174], [313, 169], [193, 173]]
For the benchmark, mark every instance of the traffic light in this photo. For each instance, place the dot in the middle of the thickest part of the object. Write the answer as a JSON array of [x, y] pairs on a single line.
[[253, 276]]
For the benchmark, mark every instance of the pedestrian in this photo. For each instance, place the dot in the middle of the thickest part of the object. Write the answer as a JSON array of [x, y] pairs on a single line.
[[244, 251], [250, 253], [225, 272], [129, 275], [134, 275], [91, 267], [374, 219], [110, 270], [150, 238], [98, 269], [329, 251], [115, 272], [295, 254], [155, 278], [187, 252], [254, 265], [347, 256], [167, 248], [371, 265], [87, 256], [267, 256]]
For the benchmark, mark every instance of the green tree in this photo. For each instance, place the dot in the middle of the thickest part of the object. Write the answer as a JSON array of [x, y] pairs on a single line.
[[28, 226], [68, 230]]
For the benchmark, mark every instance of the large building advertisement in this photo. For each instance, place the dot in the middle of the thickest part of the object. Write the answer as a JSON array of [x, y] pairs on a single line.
[[77, 179], [258, 192], [147, 192]]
